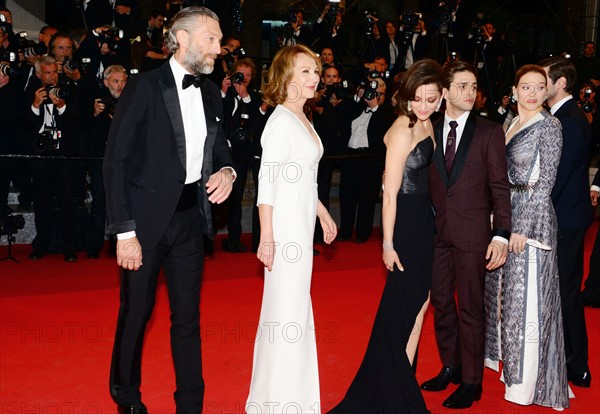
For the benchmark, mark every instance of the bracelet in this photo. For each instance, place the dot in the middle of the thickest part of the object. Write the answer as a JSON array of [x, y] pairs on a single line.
[[388, 246]]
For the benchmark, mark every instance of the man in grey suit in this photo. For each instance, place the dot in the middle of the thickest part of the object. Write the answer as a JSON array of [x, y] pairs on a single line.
[[164, 164]]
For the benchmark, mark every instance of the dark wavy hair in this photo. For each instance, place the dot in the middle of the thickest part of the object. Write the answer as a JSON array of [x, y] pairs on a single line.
[[559, 67], [422, 72]]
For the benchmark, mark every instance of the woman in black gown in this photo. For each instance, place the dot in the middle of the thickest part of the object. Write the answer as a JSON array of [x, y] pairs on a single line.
[[385, 382]]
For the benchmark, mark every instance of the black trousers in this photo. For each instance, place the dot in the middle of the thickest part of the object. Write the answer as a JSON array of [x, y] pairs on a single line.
[[180, 253], [97, 217], [360, 183], [54, 177], [234, 215], [324, 177], [570, 272]]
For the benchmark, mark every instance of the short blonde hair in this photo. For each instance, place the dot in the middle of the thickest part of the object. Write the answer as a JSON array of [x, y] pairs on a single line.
[[281, 72]]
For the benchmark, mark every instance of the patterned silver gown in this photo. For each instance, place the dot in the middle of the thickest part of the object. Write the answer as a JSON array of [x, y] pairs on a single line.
[[528, 337]]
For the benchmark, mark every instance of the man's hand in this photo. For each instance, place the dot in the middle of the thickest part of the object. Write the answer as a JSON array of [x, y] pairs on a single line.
[[40, 96], [594, 197], [225, 84], [123, 9], [219, 186], [129, 253], [496, 254], [98, 106], [72, 74], [56, 100]]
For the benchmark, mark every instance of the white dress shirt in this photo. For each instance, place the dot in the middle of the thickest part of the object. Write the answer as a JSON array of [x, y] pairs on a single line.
[[194, 123], [462, 121], [359, 137]]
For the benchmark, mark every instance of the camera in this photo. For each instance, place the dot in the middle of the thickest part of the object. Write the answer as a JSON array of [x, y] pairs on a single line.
[[29, 48], [7, 70], [71, 64], [374, 74], [238, 78], [410, 21], [370, 90], [229, 58], [5, 26], [11, 224], [46, 140], [587, 105], [369, 19], [110, 104], [112, 37], [239, 135], [7, 56], [58, 92], [340, 89]]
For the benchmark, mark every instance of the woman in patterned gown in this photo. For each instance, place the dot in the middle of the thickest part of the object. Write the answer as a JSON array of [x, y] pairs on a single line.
[[385, 382], [285, 375], [531, 342]]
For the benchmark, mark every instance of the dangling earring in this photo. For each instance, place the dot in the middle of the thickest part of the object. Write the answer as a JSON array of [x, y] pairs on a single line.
[[515, 98], [438, 106], [408, 106]]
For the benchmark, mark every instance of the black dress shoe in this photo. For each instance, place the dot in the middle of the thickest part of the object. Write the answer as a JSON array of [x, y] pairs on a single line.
[[448, 374], [70, 257], [464, 396], [580, 379], [36, 254], [138, 408]]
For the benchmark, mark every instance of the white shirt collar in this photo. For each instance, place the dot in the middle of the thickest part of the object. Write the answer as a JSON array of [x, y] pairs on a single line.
[[178, 72], [560, 103], [462, 120]]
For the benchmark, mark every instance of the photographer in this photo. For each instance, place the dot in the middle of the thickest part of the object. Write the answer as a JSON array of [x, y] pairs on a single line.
[[241, 116], [486, 51], [231, 50], [115, 79], [152, 27], [295, 31], [327, 116], [52, 121], [12, 104], [416, 42], [120, 13], [367, 121], [587, 103], [331, 32]]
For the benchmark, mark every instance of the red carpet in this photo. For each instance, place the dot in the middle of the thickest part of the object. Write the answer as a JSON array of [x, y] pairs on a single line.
[[58, 320]]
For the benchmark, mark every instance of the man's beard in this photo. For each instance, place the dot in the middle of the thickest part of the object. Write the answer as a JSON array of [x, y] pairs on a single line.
[[196, 62]]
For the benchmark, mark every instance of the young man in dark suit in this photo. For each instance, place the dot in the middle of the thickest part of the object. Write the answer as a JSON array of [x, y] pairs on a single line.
[[570, 197], [468, 181], [164, 165]]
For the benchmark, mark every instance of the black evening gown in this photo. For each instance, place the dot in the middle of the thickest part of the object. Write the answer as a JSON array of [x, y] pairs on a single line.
[[385, 382]]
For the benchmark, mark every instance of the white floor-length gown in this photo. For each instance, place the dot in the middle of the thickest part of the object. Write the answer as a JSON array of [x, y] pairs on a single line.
[[285, 375]]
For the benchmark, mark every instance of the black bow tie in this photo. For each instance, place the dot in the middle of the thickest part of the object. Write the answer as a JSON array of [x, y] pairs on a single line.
[[368, 110], [189, 80]]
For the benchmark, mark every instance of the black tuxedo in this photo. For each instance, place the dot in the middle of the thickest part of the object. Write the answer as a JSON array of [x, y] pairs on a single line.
[[360, 175], [571, 200], [144, 175]]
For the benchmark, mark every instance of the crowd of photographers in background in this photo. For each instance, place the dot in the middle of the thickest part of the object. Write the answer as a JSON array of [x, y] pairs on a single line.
[[59, 92]]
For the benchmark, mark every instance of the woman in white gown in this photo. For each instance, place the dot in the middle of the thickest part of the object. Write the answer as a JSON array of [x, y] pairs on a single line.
[[285, 376]]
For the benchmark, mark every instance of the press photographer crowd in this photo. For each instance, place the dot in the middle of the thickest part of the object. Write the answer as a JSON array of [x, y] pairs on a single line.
[[58, 94]]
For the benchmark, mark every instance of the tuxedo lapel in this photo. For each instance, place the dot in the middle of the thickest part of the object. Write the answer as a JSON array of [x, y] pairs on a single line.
[[171, 98], [439, 151], [463, 149], [209, 112]]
